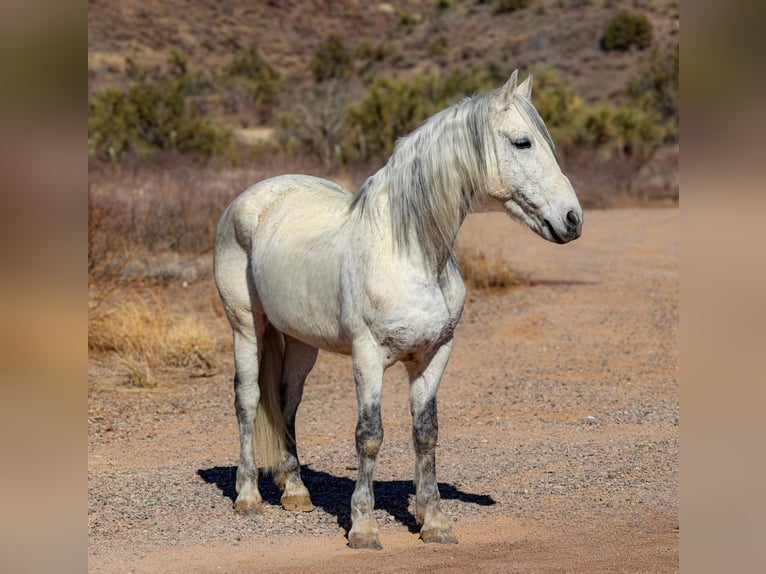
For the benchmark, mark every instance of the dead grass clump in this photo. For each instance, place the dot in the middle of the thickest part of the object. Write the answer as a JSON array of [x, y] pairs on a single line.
[[146, 336], [485, 271], [138, 372]]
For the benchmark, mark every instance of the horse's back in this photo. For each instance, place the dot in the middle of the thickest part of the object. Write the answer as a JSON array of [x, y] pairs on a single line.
[[300, 195]]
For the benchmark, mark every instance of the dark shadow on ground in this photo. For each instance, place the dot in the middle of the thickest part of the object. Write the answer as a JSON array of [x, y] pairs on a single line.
[[333, 493]]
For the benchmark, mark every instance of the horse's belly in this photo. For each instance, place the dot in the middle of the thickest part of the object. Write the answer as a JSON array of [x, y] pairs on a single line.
[[296, 253], [300, 298], [318, 329]]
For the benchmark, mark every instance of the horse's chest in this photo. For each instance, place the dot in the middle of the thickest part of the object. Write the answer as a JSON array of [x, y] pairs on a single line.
[[412, 324]]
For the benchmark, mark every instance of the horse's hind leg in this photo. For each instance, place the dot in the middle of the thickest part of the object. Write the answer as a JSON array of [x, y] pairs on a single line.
[[247, 395], [424, 383], [299, 360]]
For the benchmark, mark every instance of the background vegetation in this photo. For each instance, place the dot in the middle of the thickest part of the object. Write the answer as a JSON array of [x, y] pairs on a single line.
[[360, 95], [182, 117]]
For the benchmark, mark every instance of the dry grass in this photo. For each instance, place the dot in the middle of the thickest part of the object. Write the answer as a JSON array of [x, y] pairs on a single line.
[[488, 271], [146, 336]]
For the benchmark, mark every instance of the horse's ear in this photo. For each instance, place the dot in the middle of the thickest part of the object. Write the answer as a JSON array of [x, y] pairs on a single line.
[[510, 87], [525, 87]]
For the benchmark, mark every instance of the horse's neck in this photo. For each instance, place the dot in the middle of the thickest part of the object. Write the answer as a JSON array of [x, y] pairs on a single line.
[[435, 254], [425, 189]]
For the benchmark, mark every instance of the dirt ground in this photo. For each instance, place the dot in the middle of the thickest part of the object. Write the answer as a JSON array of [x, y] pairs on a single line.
[[558, 447]]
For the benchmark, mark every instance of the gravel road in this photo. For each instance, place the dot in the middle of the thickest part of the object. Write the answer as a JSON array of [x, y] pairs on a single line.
[[558, 447]]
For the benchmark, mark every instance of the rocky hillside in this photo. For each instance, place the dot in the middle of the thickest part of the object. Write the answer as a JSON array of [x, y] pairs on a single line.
[[259, 70], [407, 36]]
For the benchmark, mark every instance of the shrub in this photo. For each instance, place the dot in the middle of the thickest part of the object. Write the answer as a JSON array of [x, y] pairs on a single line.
[[438, 47], [559, 107], [407, 20], [394, 106], [505, 6], [391, 108], [628, 129], [626, 31], [317, 126], [656, 87], [367, 52], [152, 115], [331, 59], [112, 123], [598, 125], [326, 127], [637, 133], [251, 64], [483, 271], [251, 82]]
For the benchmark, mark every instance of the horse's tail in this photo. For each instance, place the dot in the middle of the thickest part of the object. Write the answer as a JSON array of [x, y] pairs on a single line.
[[270, 427]]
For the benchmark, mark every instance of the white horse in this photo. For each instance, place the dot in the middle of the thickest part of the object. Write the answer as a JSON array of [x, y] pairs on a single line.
[[301, 264]]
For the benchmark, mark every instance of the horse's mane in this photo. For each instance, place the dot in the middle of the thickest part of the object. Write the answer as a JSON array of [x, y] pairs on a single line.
[[434, 172]]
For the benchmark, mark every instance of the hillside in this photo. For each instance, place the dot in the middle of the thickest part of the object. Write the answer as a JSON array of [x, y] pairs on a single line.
[[615, 154], [559, 34]]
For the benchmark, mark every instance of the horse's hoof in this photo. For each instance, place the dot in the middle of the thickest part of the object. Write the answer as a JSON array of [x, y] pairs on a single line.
[[437, 536], [248, 507], [297, 503], [364, 541]]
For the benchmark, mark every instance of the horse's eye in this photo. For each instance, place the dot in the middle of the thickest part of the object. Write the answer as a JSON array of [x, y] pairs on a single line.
[[523, 143]]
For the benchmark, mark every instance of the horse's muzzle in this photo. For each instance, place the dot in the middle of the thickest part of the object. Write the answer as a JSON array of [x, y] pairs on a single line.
[[569, 229]]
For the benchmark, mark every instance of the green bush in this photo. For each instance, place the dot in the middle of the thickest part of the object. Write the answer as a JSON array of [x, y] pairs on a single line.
[[638, 133], [408, 20], [365, 51], [559, 107], [151, 115], [112, 123], [655, 89], [251, 64], [331, 59], [504, 6], [251, 82], [626, 31], [628, 129], [394, 106]]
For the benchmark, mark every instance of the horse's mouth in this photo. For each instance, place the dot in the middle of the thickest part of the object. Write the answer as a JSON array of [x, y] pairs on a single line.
[[556, 237]]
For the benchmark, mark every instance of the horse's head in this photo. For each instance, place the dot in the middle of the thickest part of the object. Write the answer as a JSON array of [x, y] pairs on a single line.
[[530, 183]]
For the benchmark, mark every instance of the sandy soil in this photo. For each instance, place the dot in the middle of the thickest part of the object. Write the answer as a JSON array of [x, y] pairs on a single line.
[[559, 437]]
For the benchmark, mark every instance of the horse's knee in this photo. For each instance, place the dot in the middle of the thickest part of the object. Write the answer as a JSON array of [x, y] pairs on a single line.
[[425, 441], [425, 428], [369, 432]]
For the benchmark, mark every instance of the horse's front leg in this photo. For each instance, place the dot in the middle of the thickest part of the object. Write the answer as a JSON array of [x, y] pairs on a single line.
[[368, 376], [425, 376]]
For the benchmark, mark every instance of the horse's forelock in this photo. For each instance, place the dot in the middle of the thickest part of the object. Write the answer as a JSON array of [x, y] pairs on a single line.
[[534, 119]]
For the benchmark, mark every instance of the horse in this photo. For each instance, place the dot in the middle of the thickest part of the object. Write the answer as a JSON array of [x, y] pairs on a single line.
[[303, 264]]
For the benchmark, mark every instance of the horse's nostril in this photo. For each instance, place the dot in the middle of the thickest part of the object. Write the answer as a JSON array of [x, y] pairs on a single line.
[[572, 218]]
